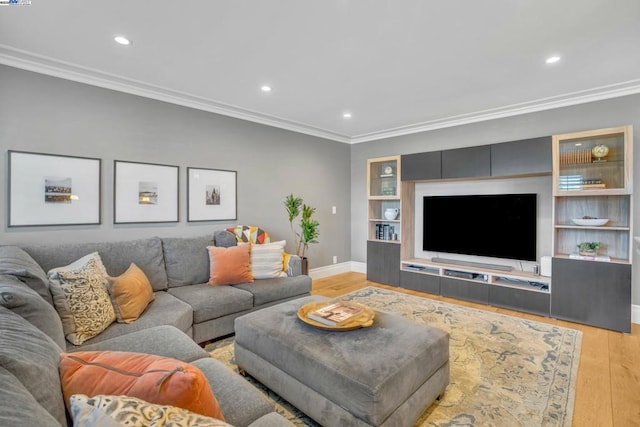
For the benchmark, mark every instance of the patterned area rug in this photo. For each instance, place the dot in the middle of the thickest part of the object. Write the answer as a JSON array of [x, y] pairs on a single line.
[[505, 371]]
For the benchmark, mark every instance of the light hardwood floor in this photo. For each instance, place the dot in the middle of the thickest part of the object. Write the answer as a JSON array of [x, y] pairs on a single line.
[[608, 388]]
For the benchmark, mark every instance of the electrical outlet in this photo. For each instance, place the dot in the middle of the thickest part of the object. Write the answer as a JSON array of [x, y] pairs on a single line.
[[335, 259]]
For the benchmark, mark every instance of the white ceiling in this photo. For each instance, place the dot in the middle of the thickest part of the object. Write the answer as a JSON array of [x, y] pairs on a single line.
[[398, 66]]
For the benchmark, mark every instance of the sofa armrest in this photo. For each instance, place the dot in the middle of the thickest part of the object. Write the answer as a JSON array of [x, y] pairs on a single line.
[[295, 266]]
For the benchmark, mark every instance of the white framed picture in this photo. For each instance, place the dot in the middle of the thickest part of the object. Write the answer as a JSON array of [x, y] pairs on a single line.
[[144, 192], [52, 189], [211, 195]]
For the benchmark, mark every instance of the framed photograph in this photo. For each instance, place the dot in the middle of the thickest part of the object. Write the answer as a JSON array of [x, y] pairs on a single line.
[[211, 195], [50, 189], [144, 192]]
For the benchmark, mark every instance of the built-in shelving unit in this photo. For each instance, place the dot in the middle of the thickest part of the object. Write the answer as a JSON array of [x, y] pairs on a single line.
[[384, 199]]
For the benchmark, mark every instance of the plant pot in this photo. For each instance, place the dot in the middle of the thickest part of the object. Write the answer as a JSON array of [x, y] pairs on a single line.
[[588, 252], [305, 266]]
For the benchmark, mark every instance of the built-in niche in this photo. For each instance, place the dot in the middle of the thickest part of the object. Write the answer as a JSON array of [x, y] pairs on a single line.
[[541, 185]]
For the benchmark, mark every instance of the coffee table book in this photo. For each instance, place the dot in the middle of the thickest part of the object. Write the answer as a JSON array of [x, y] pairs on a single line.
[[336, 314]]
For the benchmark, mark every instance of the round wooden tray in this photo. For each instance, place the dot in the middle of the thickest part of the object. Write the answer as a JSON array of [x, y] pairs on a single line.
[[364, 320]]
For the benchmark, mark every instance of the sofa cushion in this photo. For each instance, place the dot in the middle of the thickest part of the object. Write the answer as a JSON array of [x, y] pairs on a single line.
[[17, 262], [32, 358], [165, 309], [211, 302], [116, 257], [155, 379], [250, 234], [167, 341], [224, 239], [230, 266], [81, 298], [104, 410], [21, 299], [267, 260], [186, 260], [19, 408], [269, 290], [130, 294]]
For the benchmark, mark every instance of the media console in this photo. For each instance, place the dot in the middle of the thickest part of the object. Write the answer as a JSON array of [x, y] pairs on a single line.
[[515, 290]]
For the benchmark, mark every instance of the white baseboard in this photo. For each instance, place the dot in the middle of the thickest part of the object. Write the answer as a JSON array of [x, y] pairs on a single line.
[[361, 267]]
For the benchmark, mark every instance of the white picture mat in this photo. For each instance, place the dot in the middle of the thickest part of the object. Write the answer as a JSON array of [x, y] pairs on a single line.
[[198, 180], [27, 204], [127, 180]]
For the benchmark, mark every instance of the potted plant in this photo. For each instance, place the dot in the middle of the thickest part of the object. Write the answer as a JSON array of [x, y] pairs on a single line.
[[309, 231], [589, 248]]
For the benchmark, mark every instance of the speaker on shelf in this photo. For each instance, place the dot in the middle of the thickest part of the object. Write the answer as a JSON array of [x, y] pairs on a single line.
[[545, 266]]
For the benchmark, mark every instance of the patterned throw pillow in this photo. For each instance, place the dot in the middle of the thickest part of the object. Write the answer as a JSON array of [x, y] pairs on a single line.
[[250, 234], [103, 410], [130, 293], [81, 298], [155, 379], [267, 260]]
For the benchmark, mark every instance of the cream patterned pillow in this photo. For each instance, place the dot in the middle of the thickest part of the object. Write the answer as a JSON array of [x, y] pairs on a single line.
[[267, 260], [104, 410], [81, 298]]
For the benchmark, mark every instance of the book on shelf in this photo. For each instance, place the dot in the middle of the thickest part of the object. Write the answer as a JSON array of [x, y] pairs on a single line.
[[336, 314]]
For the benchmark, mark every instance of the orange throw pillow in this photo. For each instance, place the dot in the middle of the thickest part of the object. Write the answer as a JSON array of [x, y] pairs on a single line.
[[130, 294], [155, 379], [230, 266]]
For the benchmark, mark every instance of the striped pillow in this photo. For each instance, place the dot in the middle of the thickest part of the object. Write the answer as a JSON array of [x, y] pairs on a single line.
[[266, 260]]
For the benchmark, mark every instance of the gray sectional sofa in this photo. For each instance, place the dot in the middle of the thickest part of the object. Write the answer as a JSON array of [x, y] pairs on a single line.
[[185, 311]]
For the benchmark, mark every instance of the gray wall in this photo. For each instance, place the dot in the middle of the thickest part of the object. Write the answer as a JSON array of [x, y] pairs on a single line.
[[595, 115], [50, 115]]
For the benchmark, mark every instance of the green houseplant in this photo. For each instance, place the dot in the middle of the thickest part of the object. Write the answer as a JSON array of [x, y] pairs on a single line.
[[309, 230], [589, 248]]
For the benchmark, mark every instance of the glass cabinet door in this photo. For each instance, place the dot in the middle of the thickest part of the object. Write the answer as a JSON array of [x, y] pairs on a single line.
[[383, 178]]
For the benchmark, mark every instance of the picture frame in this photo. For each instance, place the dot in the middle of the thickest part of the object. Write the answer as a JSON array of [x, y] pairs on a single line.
[[53, 189], [211, 195], [145, 192]]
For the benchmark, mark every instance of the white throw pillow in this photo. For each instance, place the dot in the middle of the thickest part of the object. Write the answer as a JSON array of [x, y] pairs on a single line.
[[266, 260], [81, 298]]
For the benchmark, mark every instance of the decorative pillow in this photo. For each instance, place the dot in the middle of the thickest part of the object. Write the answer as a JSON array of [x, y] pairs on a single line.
[[80, 296], [250, 234], [130, 293], [230, 266], [155, 379], [285, 262], [267, 260], [102, 410], [224, 239]]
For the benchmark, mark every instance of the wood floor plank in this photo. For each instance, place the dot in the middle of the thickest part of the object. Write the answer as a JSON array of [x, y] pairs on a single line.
[[608, 384]]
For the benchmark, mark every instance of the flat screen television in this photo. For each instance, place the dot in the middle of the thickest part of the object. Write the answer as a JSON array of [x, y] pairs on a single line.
[[494, 225]]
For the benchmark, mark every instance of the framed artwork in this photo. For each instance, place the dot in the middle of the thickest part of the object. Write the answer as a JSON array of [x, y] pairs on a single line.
[[52, 189], [211, 195], [144, 192]]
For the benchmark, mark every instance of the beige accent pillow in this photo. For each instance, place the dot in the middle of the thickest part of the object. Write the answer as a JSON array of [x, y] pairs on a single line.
[[130, 293], [105, 410], [80, 296], [267, 260]]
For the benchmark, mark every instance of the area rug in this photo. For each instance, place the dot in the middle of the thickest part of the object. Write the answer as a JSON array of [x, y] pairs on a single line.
[[505, 371]]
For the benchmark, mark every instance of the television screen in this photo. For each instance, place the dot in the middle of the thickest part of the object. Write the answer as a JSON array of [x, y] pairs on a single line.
[[495, 225]]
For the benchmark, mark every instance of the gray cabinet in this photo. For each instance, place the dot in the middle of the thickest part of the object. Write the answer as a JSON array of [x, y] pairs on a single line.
[[421, 166], [519, 300], [383, 262], [464, 290], [467, 162], [527, 156], [591, 292], [420, 282]]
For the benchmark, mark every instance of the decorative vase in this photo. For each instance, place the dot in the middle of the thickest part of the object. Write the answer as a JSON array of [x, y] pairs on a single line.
[[305, 266], [391, 213], [588, 252]]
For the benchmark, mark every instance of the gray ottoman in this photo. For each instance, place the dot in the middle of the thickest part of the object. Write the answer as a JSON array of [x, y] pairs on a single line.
[[384, 375]]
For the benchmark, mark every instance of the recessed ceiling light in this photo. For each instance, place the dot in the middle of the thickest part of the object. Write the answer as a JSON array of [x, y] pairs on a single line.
[[552, 59], [347, 115], [266, 88], [122, 40]]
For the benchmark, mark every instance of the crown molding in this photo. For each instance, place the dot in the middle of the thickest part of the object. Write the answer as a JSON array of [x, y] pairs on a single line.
[[65, 70], [630, 87]]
